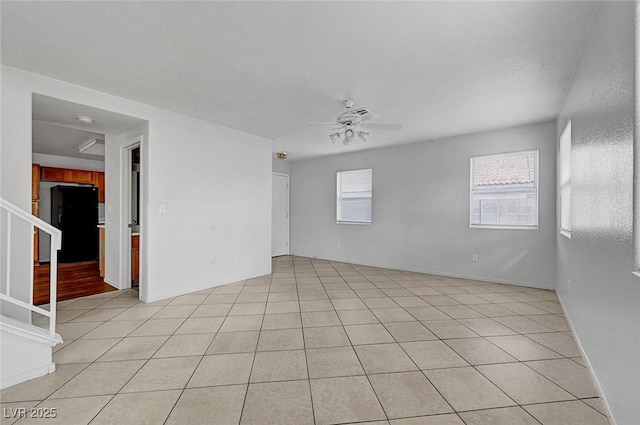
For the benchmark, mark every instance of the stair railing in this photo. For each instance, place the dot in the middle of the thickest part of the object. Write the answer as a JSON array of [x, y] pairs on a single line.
[[56, 243]]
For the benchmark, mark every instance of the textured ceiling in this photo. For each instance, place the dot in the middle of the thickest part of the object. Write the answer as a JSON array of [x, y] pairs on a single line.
[[267, 68]]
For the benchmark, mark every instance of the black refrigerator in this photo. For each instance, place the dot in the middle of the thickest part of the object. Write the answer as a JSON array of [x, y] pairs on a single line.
[[74, 210]]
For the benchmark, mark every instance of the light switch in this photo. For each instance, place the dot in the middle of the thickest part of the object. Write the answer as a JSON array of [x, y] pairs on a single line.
[[264, 210], [162, 208]]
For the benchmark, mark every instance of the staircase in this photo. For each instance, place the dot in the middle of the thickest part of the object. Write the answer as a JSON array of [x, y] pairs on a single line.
[[25, 349]]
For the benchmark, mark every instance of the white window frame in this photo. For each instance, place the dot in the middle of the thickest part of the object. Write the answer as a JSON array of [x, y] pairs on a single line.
[[565, 181], [537, 193], [339, 198]]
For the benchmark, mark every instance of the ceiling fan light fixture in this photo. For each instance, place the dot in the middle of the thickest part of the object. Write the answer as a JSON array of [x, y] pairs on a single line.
[[363, 135], [348, 137]]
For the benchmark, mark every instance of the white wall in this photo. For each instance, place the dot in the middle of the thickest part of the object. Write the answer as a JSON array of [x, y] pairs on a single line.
[[281, 166], [421, 210], [603, 301], [214, 181], [117, 233], [67, 162]]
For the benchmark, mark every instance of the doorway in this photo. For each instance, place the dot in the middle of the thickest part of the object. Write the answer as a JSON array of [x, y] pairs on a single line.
[[132, 212], [280, 215]]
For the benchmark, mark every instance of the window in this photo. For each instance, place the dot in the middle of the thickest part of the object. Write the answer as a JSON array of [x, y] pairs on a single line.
[[565, 181], [355, 193], [504, 190]]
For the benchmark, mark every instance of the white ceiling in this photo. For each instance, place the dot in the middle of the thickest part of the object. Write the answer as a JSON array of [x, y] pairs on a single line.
[[53, 139], [267, 68], [56, 131]]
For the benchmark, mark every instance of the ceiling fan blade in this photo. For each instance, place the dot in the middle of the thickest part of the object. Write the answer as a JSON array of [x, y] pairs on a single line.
[[333, 130], [322, 123], [380, 126], [368, 114]]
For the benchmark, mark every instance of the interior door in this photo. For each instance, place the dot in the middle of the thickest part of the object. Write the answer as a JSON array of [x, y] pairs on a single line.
[[280, 215]]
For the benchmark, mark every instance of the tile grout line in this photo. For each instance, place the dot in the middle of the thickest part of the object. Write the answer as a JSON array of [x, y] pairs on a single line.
[[383, 280], [253, 359], [304, 345]]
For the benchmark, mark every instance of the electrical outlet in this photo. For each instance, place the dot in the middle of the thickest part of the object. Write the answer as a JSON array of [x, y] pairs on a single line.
[[213, 261], [236, 259], [474, 258], [162, 208]]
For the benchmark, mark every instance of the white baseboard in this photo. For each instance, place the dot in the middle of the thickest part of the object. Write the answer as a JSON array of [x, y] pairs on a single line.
[[586, 359], [147, 299], [446, 274], [25, 376], [112, 283]]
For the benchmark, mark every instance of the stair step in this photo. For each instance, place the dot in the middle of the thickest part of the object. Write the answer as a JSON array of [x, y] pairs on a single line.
[[17, 327]]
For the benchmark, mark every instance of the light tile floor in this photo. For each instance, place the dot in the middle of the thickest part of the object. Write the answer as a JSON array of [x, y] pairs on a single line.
[[318, 342]]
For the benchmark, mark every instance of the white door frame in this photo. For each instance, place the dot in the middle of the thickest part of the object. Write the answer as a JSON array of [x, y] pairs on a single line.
[[288, 215], [125, 213]]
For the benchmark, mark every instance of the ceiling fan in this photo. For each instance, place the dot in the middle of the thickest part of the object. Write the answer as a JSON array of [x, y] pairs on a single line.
[[354, 122]]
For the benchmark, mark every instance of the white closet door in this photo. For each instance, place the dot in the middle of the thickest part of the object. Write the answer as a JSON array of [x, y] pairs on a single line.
[[280, 215]]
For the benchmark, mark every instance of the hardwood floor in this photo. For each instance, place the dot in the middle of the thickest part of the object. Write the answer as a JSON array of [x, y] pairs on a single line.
[[74, 280]]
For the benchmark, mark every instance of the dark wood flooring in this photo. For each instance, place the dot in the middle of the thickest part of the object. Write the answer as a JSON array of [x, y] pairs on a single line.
[[74, 280]]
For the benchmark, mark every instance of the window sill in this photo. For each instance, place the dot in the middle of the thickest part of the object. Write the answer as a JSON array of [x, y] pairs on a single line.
[[565, 234], [487, 226]]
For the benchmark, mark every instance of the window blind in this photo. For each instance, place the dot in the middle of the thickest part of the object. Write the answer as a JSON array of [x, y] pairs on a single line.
[[354, 196]]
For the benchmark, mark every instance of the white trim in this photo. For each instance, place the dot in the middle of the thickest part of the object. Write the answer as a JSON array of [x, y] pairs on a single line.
[[112, 283], [502, 227], [586, 359], [125, 211], [288, 212], [164, 296], [25, 376], [537, 191], [55, 245], [55, 233], [564, 179], [339, 197], [28, 331]]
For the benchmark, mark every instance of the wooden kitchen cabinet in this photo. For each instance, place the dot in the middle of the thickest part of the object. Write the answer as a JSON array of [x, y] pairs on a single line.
[[101, 253], [98, 181], [35, 210], [52, 174], [135, 260], [78, 176], [66, 175], [35, 182]]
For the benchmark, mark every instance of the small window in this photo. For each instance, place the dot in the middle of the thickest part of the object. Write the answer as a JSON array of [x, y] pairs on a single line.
[[565, 182], [355, 193], [504, 190]]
